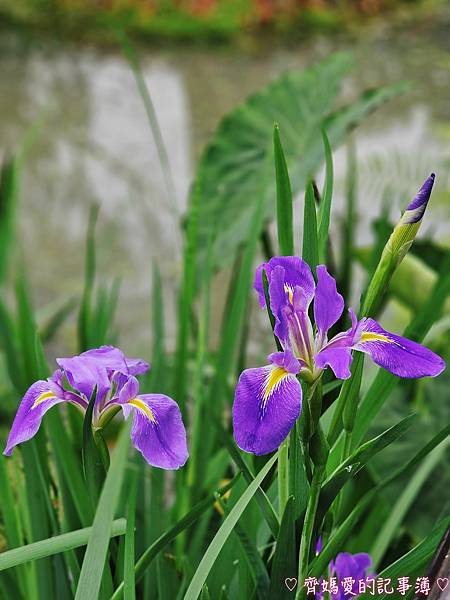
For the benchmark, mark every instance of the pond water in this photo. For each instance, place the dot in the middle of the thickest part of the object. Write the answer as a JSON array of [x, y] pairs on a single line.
[[95, 145]]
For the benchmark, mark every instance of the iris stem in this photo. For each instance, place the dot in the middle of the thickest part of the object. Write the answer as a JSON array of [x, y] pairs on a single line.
[[108, 416], [308, 526], [283, 476]]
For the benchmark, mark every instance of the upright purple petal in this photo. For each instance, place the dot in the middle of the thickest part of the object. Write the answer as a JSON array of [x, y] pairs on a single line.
[[84, 373], [39, 398], [157, 431], [296, 273], [113, 359], [417, 207], [328, 303], [396, 354], [267, 403]]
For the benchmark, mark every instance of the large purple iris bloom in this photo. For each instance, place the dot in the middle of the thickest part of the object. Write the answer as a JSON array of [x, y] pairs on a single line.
[[157, 431], [268, 400]]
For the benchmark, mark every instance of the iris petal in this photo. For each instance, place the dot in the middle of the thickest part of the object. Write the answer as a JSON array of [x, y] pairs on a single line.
[[158, 431], [296, 273], [266, 405], [328, 303], [39, 398], [396, 354], [339, 359]]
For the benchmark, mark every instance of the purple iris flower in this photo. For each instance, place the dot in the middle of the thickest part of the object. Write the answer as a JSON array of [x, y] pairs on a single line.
[[349, 570], [268, 399], [157, 431]]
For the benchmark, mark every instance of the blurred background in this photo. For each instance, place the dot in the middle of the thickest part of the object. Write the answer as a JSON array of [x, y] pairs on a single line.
[[62, 71]]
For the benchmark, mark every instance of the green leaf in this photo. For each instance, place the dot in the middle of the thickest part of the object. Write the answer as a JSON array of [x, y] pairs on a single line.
[[385, 382], [416, 560], [356, 461], [233, 163], [129, 590], [9, 192], [93, 465], [57, 319], [86, 308], [335, 544], [159, 544], [252, 557], [348, 223], [260, 496], [285, 217], [404, 503], [211, 554], [284, 562], [94, 560], [54, 545], [325, 205], [310, 241]]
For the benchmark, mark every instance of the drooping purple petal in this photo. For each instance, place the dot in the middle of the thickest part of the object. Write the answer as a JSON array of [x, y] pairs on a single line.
[[396, 354], [39, 398], [417, 207], [339, 359], [157, 431], [267, 403], [328, 303], [296, 273]]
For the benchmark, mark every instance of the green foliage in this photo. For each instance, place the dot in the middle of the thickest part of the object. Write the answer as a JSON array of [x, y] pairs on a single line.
[[234, 161], [228, 525]]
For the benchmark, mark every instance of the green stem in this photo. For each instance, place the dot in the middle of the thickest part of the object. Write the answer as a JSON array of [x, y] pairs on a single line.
[[283, 476], [308, 525]]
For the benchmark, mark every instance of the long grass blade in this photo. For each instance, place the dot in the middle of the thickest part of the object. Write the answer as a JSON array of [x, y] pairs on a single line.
[[54, 545], [211, 554], [94, 560]]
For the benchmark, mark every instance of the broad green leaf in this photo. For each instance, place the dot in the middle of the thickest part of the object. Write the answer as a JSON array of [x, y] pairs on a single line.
[[54, 545], [284, 563], [385, 382], [233, 163], [159, 544], [285, 226], [201, 574], [94, 560], [9, 191], [310, 241], [356, 461], [325, 204], [404, 503], [129, 590], [93, 465], [252, 557], [348, 223], [416, 560], [336, 543]]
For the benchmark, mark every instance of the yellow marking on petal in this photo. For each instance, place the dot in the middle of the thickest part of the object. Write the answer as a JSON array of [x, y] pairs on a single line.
[[288, 289], [276, 375], [42, 398], [139, 404], [368, 336]]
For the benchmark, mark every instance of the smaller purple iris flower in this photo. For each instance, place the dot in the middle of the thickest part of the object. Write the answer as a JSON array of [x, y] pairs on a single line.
[[349, 570], [157, 431], [268, 399]]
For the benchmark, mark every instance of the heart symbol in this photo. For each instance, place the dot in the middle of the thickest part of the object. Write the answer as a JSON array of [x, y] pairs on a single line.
[[442, 583], [291, 582]]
